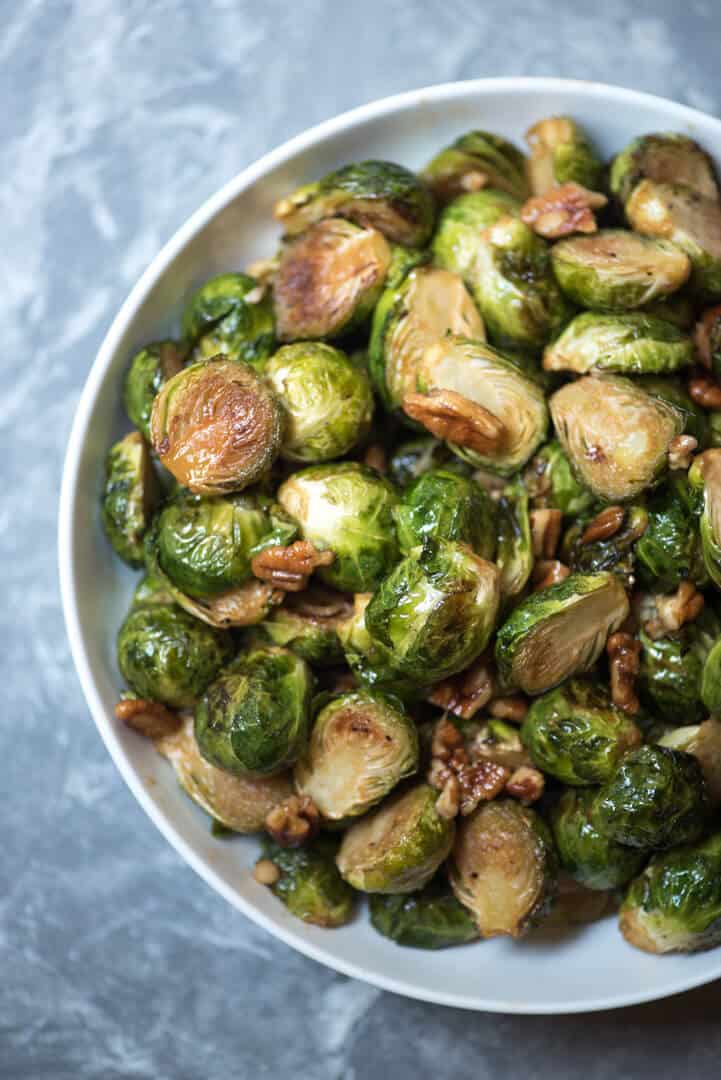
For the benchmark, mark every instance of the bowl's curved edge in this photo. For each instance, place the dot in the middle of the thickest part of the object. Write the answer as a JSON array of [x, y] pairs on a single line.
[[68, 507]]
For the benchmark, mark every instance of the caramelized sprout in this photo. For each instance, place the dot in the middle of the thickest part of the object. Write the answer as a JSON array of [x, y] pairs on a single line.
[[561, 153], [666, 158], [231, 314], [477, 160], [633, 344]]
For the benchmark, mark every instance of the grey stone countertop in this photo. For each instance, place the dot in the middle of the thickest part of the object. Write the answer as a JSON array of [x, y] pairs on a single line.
[[119, 118]]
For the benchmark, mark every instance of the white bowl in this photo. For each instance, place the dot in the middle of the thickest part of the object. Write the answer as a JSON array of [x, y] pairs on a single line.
[[591, 969]]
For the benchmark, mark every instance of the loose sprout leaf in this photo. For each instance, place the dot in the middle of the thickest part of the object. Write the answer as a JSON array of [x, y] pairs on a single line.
[[429, 919]]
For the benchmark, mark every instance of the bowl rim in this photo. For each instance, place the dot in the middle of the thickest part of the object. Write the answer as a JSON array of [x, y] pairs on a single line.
[[232, 189]]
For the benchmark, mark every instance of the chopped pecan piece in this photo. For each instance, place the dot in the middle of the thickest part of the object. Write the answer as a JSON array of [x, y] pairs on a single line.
[[681, 607], [289, 567], [447, 739], [148, 718], [480, 781], [476, 779], [604, 525], [449, 415], [704, 391], [545, 532], [464, 694], [526, 784], [624, 660], [266, 872], [293, 821], [513, 707], [375, 458], [548, 572], [680, 451], [563, 210], [702, 334]]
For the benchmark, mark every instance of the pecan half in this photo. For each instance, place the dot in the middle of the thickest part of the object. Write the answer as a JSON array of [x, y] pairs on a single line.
[[624, 661], [680, 451], [702, 334], [526, 784], [375, 458], [289, 567], [464, 694], [480, 781], [293, 821], [451, 416], [563, 210], [705, 391], [674, 611], [548, 572], [545, 532], [148, 718], [604, 525]]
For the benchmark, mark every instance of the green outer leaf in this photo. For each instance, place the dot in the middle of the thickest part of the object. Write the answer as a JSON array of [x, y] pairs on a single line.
[[590, 857], [148, 370], [442, 505], [498, 161], [309, 884], [430, 919], [672, 667], [219, 318], [128, 494]]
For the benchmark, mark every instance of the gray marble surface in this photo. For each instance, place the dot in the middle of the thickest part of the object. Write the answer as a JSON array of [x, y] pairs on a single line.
[[119, 118]]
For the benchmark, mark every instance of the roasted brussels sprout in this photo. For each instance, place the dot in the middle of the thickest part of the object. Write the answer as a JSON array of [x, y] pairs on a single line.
[[514, 553], [326, 398], [418, 456], [216, 426], [665, 158], [587, 854], [435, 612], [361, 745], [705, 476], [167, 656], [425, 306], [703, 741], [461, 224], [655, 799], [634, 344], [560, 631], [561, 153], [672, 391], [309, 883], [617, 270], [399, 847], [686, 219], [551, 484], [370, 662], [240, 803], [669, 551], [442, 505], [429, 919], [577, 735], [231, 314], [376, 194], [128, 495], [711, 680], [503, 867], [616, 553], [253, 720], [675, 904], [149, 369], [679, 309], [348, 509], [477, 160], [614, 433], [672, 668], [152, 589], [484, 377], [308, 623]]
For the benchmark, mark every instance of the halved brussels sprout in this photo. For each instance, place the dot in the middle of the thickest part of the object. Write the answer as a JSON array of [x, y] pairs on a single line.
[[656, 799], [462, 225], [702, 741], [666, 158], [435, 612], [326, 397], [673, 392], [308, 623], [348, 509], [672, 668], [705, 475], [240, 803], [428, 304], [167, 656], [309, 884], [614, 433], [588, 855], [514, 554], [376, 194], [398, 847], [635, 344], [669, 551], [616, 553], [253, 720], [128, 496], [550, 482], [485, 377], [418, 456], [477, 160], [561, 153], [370, 662], [675, 905], [429, 919], [149, 369], [576, 734], [560, 631], [503, 867], [231, 314], [442, 505], [329, 280], [216, 426], [690, 221], [361, 745], [618, 270]]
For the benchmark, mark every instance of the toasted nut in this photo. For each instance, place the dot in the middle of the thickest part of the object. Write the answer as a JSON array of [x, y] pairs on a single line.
[[548, 572], [526, 784], [449, 415], [604, 525], [680, 451], [446, 739], [293, 821], [266, 872], [704, 391], [702, 334], [545, 532], [681, 607], [624, 660], [480, 781], [562, 210], [289, 567], [148, 718], [465, 694], [449, 801], [513, 708], [375, 458]]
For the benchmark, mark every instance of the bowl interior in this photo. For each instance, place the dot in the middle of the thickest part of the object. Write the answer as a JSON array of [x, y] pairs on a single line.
[[590, 969]]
